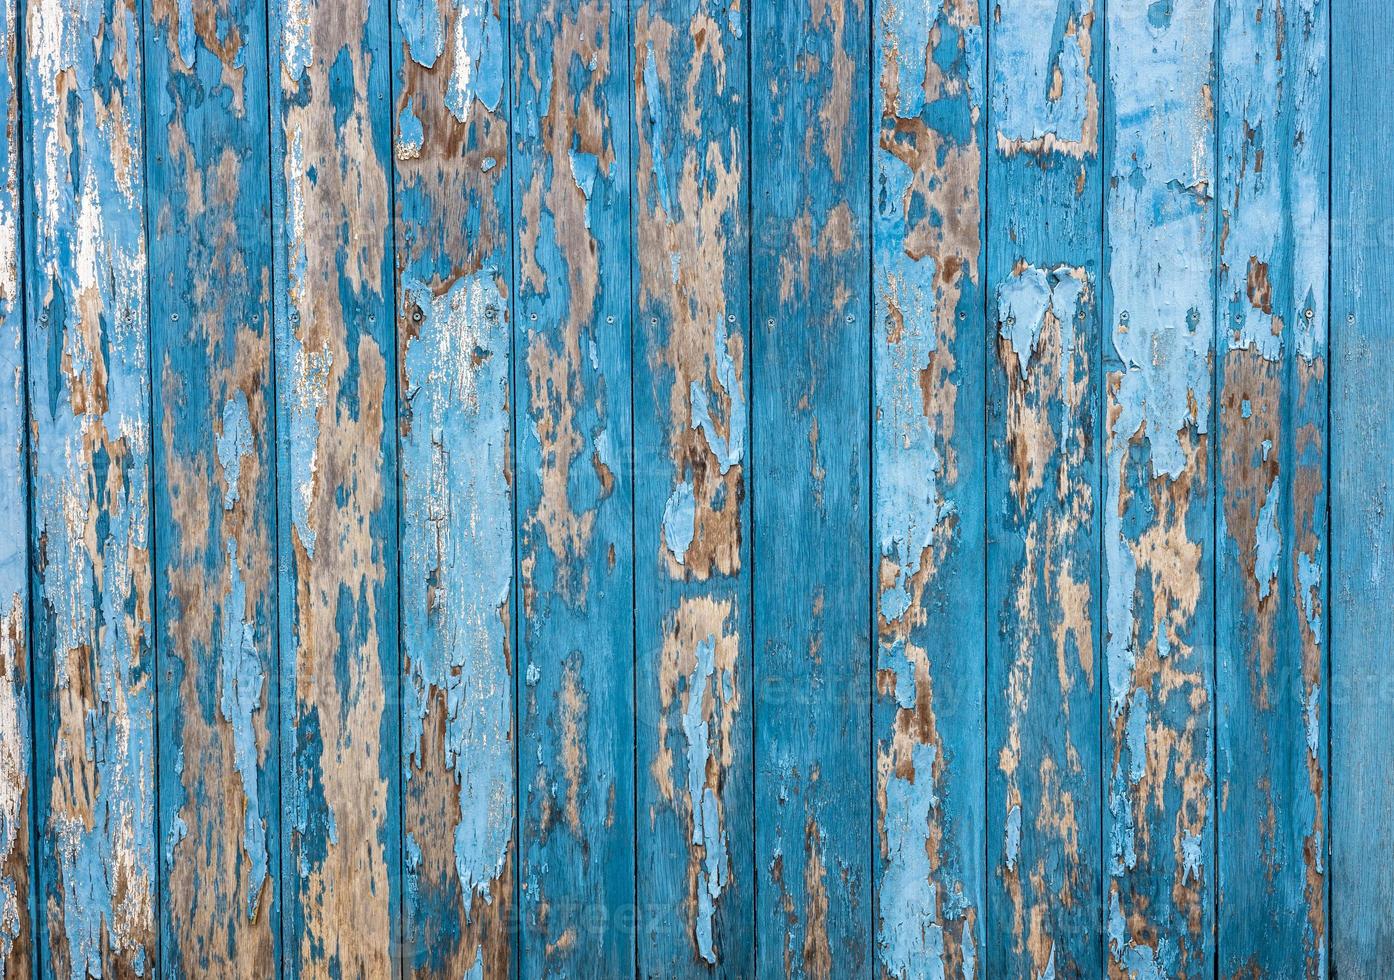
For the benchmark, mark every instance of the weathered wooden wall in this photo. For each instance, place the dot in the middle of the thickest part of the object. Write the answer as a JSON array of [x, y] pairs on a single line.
[[683, 488]]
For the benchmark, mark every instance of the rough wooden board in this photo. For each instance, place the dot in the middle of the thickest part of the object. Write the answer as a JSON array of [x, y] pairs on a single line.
[[1044, 248], [927, 475], [692, 513], [89, 402], [454, 258], [1362, 472], [1158, 533], [1270, 485], [809, 450], [571, 173], [16, 738], [331, 132], [208, 193]]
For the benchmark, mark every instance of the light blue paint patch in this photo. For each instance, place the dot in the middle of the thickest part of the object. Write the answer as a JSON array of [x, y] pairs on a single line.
[[233, 443], [1268, 543], [729, 449], [1035, 59], [1190, 856], [242, 678], [476, 971], [187, 38], [653, 90], [479, 56], [1024, 299], [456, 557], [1246, 409], [585, 167], [707, 831], [911, 940], [1309, 580], [907, 29], [680, 520], [1123, 832], [1012, 835], [487, 164], [1137, 736], [1049, 972], [423, 30], [1311, 716], [410, 136]]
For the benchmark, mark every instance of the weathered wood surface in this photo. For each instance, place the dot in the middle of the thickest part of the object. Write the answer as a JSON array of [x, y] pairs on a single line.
[[1045, 390], [454, 349], [687, 488], [692, 524], [1271, 496], [16, 734], [337, 512], [213, 405]]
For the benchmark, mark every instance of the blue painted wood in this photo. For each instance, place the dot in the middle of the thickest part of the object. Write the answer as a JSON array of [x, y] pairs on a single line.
[[927, 479], [1045, 392], [573, 444], [452, 224], [809, 452], [1158, 533], [16, 736], [1271, 489], [1362, 473], [695, 775], [89, 402], [207, 176], [337, 512]]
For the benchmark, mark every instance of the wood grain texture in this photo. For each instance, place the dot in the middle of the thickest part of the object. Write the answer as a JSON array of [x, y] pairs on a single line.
[[927, 478], [452, 224], [1271, 497], [1158, 535], [571, 172], [209, 204], [89, 399], [16, 735], [692, 512], [1044, 252], [1362, 474], [810, 454], [331, 132]]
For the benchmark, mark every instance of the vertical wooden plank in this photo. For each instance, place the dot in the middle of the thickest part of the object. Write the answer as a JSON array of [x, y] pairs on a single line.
[[331, 134], [571, 133], [1159, 302], [89, 398], [1044, 246], [927, 485], [692, 512], [215, 571], [1362, 473], [454, 356], [1271, 488], [811, 457], [16, 746]]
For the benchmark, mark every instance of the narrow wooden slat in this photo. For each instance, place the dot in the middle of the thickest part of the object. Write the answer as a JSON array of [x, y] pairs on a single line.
[[454, 360], [214, 457], [810, 458], [692, 511], [1362, 474], [1159, 302], [571, 172], [89, 398], [927, 486], [1044, 246], [16, 745], [335, 362], [1270, 485]]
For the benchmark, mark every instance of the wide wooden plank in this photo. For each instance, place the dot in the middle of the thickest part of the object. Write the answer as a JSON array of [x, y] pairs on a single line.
[[927, 486], [1270, 485], [89, 401], [810, 457], [1044, 252], [692, 512], [1159, 304], [1362, 474], [331, 132], [214, 463], [571, 172], [16, 745], [454, 355]]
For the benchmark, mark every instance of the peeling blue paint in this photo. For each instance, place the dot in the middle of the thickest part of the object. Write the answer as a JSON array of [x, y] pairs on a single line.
[[679, 520], [1041, 83], [911, 937], [410, 135], [234, 442], [707, 831], [656, 128], [1268, 542]]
